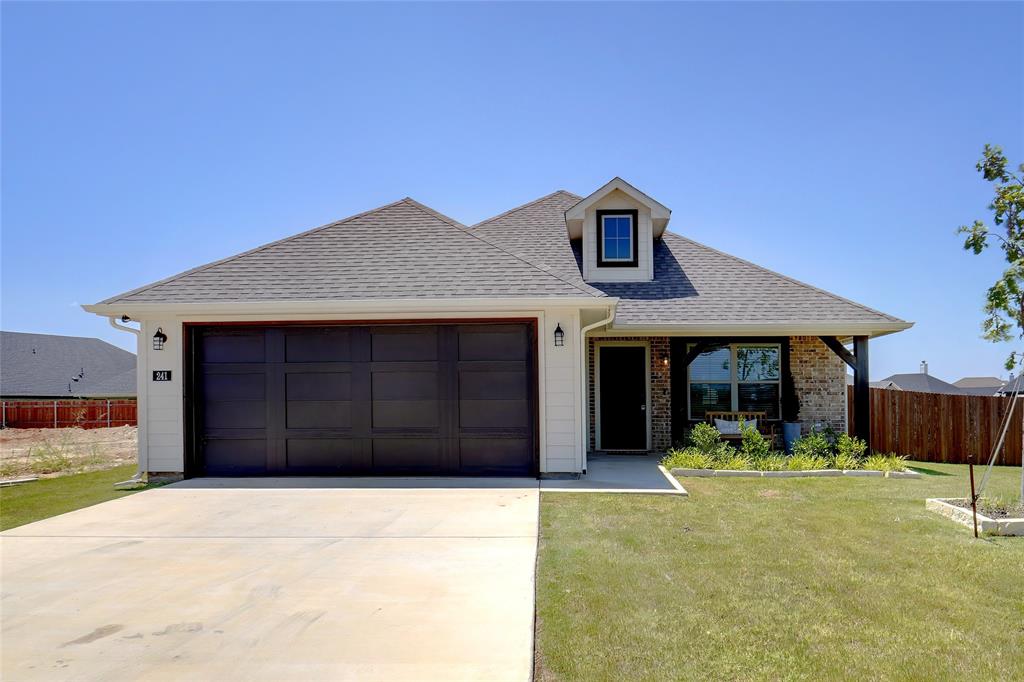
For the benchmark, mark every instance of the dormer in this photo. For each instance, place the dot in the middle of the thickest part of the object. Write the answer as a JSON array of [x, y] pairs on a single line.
[[618, 225]]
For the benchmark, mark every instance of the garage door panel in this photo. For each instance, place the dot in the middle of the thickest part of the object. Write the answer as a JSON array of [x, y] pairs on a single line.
[[496, 455], [318, 414], [494, 414], [405, 384], [325, 455], [406, 413], [319, 386], [232, 387], [407, 454], [234, 347], [403, 344], [483, 344], [318, 345], [486, 385], [235, 414], [236, 457]]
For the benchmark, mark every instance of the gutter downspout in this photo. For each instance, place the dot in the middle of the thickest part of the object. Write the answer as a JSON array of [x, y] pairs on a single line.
[[139, 479], [584, 376]]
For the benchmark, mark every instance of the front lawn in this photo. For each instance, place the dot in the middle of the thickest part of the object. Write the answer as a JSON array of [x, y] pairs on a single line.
[[829, 578], [27, 502]]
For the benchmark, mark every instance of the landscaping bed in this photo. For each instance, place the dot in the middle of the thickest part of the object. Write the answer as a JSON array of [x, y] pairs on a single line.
[[994, 517], [819, 453]]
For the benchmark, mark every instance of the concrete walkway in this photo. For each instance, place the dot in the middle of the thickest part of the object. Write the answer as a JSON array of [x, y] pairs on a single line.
[[287, 579], [618, 474]]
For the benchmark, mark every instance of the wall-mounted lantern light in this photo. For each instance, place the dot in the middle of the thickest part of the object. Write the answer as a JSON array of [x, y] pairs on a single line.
[[559, 336], [159, 339]]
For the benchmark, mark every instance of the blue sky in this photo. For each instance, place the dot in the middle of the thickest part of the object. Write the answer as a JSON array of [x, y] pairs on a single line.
[[832, 142]]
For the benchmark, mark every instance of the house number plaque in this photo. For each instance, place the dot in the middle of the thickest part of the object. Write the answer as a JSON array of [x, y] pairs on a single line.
[[161, 375]]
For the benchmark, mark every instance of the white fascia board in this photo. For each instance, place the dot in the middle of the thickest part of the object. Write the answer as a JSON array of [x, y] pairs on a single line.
[[337, 309], [840, 329]]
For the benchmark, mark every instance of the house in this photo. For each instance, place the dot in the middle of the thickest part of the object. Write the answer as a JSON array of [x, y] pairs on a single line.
[[921, 381], [980, 385], [47, 366], [1012, 387], [401, 341]]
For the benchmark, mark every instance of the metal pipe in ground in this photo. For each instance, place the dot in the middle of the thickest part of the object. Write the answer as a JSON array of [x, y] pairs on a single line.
[[974, 497]]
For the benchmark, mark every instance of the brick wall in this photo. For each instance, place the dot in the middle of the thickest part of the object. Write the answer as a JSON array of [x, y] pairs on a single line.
[[819, 377], [661, 390]]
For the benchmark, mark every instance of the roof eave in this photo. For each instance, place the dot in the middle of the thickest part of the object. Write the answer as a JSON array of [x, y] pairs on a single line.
[[139, 310], [844, 330]]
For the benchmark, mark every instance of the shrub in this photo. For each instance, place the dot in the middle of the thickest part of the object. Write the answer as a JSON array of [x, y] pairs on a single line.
[[849, 452], [770, 462], [813, 445], [687, 458], [732, 460], [806, 462], [705, 438], [845, 462], [890, 462], [753, 445]]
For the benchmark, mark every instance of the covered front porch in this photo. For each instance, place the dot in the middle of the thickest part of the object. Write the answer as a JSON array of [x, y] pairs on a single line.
[[645, 392]]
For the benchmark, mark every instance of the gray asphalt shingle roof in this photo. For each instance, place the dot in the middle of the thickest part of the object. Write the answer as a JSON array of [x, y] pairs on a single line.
[[43, 365], [402, 250], [407, 250], [919, 381], [693, 283]]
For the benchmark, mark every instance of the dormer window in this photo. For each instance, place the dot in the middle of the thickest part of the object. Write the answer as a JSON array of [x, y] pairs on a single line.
[[617, 238]]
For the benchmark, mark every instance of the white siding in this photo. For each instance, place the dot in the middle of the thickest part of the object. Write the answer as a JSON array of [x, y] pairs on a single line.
[[164, 433]]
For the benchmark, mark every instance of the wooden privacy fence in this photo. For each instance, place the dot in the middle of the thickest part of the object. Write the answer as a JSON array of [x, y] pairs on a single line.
[[936, 427], [52, 414]]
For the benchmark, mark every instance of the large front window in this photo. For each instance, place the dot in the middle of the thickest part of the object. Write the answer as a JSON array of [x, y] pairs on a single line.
[[739, 377]]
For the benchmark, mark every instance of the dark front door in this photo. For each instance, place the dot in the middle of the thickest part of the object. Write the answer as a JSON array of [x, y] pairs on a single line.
[[623, 385], [454, 399]]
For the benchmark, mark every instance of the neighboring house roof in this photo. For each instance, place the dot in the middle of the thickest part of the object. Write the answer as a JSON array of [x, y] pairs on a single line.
[[1013, 386], [693, 284], [402, 250], [872, 384], [979, 385], [43, 365], [919, 381]]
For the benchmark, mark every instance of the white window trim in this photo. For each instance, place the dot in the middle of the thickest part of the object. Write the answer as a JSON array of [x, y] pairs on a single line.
[[597, 389], [734, 381], [632, 246]]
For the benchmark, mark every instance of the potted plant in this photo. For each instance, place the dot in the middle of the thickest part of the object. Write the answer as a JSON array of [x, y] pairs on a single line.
[[790, 413]]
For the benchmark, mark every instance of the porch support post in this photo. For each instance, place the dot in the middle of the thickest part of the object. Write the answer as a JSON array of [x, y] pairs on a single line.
[[861, 390]]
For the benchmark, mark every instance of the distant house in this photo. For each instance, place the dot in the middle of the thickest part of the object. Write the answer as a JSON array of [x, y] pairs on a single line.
[[920, 381], [980, 385], [1012, 386], [37, 366]]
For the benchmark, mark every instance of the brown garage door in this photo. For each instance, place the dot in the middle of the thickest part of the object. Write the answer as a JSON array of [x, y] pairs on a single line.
[[389, 399]]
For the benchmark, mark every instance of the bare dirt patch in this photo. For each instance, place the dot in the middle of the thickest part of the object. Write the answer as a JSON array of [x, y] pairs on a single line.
[[48, 453]]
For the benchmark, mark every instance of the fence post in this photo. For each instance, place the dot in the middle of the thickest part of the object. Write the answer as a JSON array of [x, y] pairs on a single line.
[[54, 414], [108, 412]]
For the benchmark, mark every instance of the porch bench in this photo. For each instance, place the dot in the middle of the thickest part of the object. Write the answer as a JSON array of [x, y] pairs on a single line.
[[766, 428]]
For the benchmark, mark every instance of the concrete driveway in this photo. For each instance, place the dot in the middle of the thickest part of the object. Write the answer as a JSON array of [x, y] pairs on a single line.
[[284, 580]]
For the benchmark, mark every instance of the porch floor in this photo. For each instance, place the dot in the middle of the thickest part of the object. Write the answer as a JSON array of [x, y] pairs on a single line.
[[618, 474]]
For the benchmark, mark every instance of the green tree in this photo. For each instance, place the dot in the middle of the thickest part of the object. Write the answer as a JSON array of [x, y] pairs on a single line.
[[1004, 302]]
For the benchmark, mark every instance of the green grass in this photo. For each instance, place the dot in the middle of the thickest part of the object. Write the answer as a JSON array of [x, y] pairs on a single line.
[[778, 579], [28, 502]]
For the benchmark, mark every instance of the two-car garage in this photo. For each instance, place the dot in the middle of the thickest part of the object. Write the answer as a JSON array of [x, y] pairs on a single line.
[[361, 399]]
